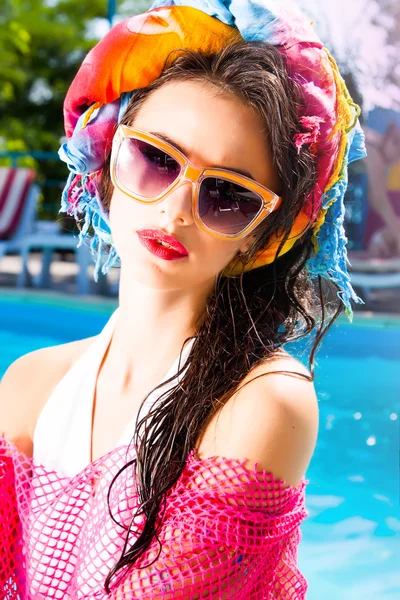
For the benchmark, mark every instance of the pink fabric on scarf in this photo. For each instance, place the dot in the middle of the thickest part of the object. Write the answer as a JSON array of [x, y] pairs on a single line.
[[310, 67], [227, 532]]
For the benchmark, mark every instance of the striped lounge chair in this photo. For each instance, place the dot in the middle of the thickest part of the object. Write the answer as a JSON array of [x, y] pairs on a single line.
[[20, 231]]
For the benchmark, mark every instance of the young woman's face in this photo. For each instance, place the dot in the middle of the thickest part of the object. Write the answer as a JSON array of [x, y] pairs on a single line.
[[213, 129]]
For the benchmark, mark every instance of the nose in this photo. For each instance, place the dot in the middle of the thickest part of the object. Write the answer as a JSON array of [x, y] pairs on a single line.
[[177, 205]]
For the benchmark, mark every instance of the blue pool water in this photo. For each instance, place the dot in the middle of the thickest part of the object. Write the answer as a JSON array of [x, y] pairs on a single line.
[[351, 540]]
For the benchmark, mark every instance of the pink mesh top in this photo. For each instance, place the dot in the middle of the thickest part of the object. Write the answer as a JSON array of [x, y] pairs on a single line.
[[228, 532]]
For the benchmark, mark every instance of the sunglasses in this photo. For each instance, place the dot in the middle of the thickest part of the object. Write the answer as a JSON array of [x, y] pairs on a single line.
[[226, 204]]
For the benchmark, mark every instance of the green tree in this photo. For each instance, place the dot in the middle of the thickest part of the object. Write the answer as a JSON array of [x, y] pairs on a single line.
[[42, 45]]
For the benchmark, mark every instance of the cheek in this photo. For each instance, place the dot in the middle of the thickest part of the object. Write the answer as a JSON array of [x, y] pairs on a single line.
[[118, 204], [123, 216], [126, 214], [218, 253]]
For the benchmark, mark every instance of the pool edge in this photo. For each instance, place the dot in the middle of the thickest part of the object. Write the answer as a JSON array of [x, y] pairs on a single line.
[[60, 299], [104, 303]]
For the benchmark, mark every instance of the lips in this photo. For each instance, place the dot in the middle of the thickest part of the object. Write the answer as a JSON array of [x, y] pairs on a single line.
[[162, 245]]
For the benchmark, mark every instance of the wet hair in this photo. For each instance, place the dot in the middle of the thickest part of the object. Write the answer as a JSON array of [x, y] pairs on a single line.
[[248, 318]]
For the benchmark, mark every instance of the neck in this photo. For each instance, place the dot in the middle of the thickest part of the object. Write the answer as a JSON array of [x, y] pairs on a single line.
[[150, 330]]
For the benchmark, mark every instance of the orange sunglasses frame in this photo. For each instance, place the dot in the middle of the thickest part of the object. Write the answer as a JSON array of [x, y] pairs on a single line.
[[191, 173]]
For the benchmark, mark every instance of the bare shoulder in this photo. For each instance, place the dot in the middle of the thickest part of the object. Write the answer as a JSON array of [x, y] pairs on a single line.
[[27, 384], [274, 419]]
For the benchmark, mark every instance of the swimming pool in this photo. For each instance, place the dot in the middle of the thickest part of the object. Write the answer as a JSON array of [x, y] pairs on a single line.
[[351, 540]]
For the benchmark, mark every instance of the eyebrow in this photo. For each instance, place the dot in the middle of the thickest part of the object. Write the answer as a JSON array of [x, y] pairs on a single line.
[[178, 147]]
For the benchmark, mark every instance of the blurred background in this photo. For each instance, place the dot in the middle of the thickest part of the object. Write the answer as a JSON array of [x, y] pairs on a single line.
[[351, 539]]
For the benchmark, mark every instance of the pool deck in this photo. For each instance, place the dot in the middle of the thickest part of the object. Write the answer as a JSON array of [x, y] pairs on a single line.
[[64, 269], [63, 274]]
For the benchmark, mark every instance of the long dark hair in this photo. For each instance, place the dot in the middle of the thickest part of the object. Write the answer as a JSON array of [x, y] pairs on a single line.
[[248, 318]]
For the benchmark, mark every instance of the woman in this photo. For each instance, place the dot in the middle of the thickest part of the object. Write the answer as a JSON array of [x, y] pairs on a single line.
[[209, 167]]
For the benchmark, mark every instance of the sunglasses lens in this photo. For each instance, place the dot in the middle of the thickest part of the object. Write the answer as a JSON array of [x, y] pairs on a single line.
[[227, 207], [144, 169]]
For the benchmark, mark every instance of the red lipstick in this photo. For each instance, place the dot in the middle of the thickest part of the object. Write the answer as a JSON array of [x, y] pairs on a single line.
[[162, 245]]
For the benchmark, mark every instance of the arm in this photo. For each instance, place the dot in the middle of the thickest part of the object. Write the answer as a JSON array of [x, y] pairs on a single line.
[[15, 415], [275, 420], [245, 528], [16, 399], [26, 386], [12, 566]]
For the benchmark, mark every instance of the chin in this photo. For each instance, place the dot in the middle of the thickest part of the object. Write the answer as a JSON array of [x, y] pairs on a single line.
[[153, 275]]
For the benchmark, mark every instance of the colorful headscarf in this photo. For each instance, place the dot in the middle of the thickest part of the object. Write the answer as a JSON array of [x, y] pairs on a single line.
[[132, 55]]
